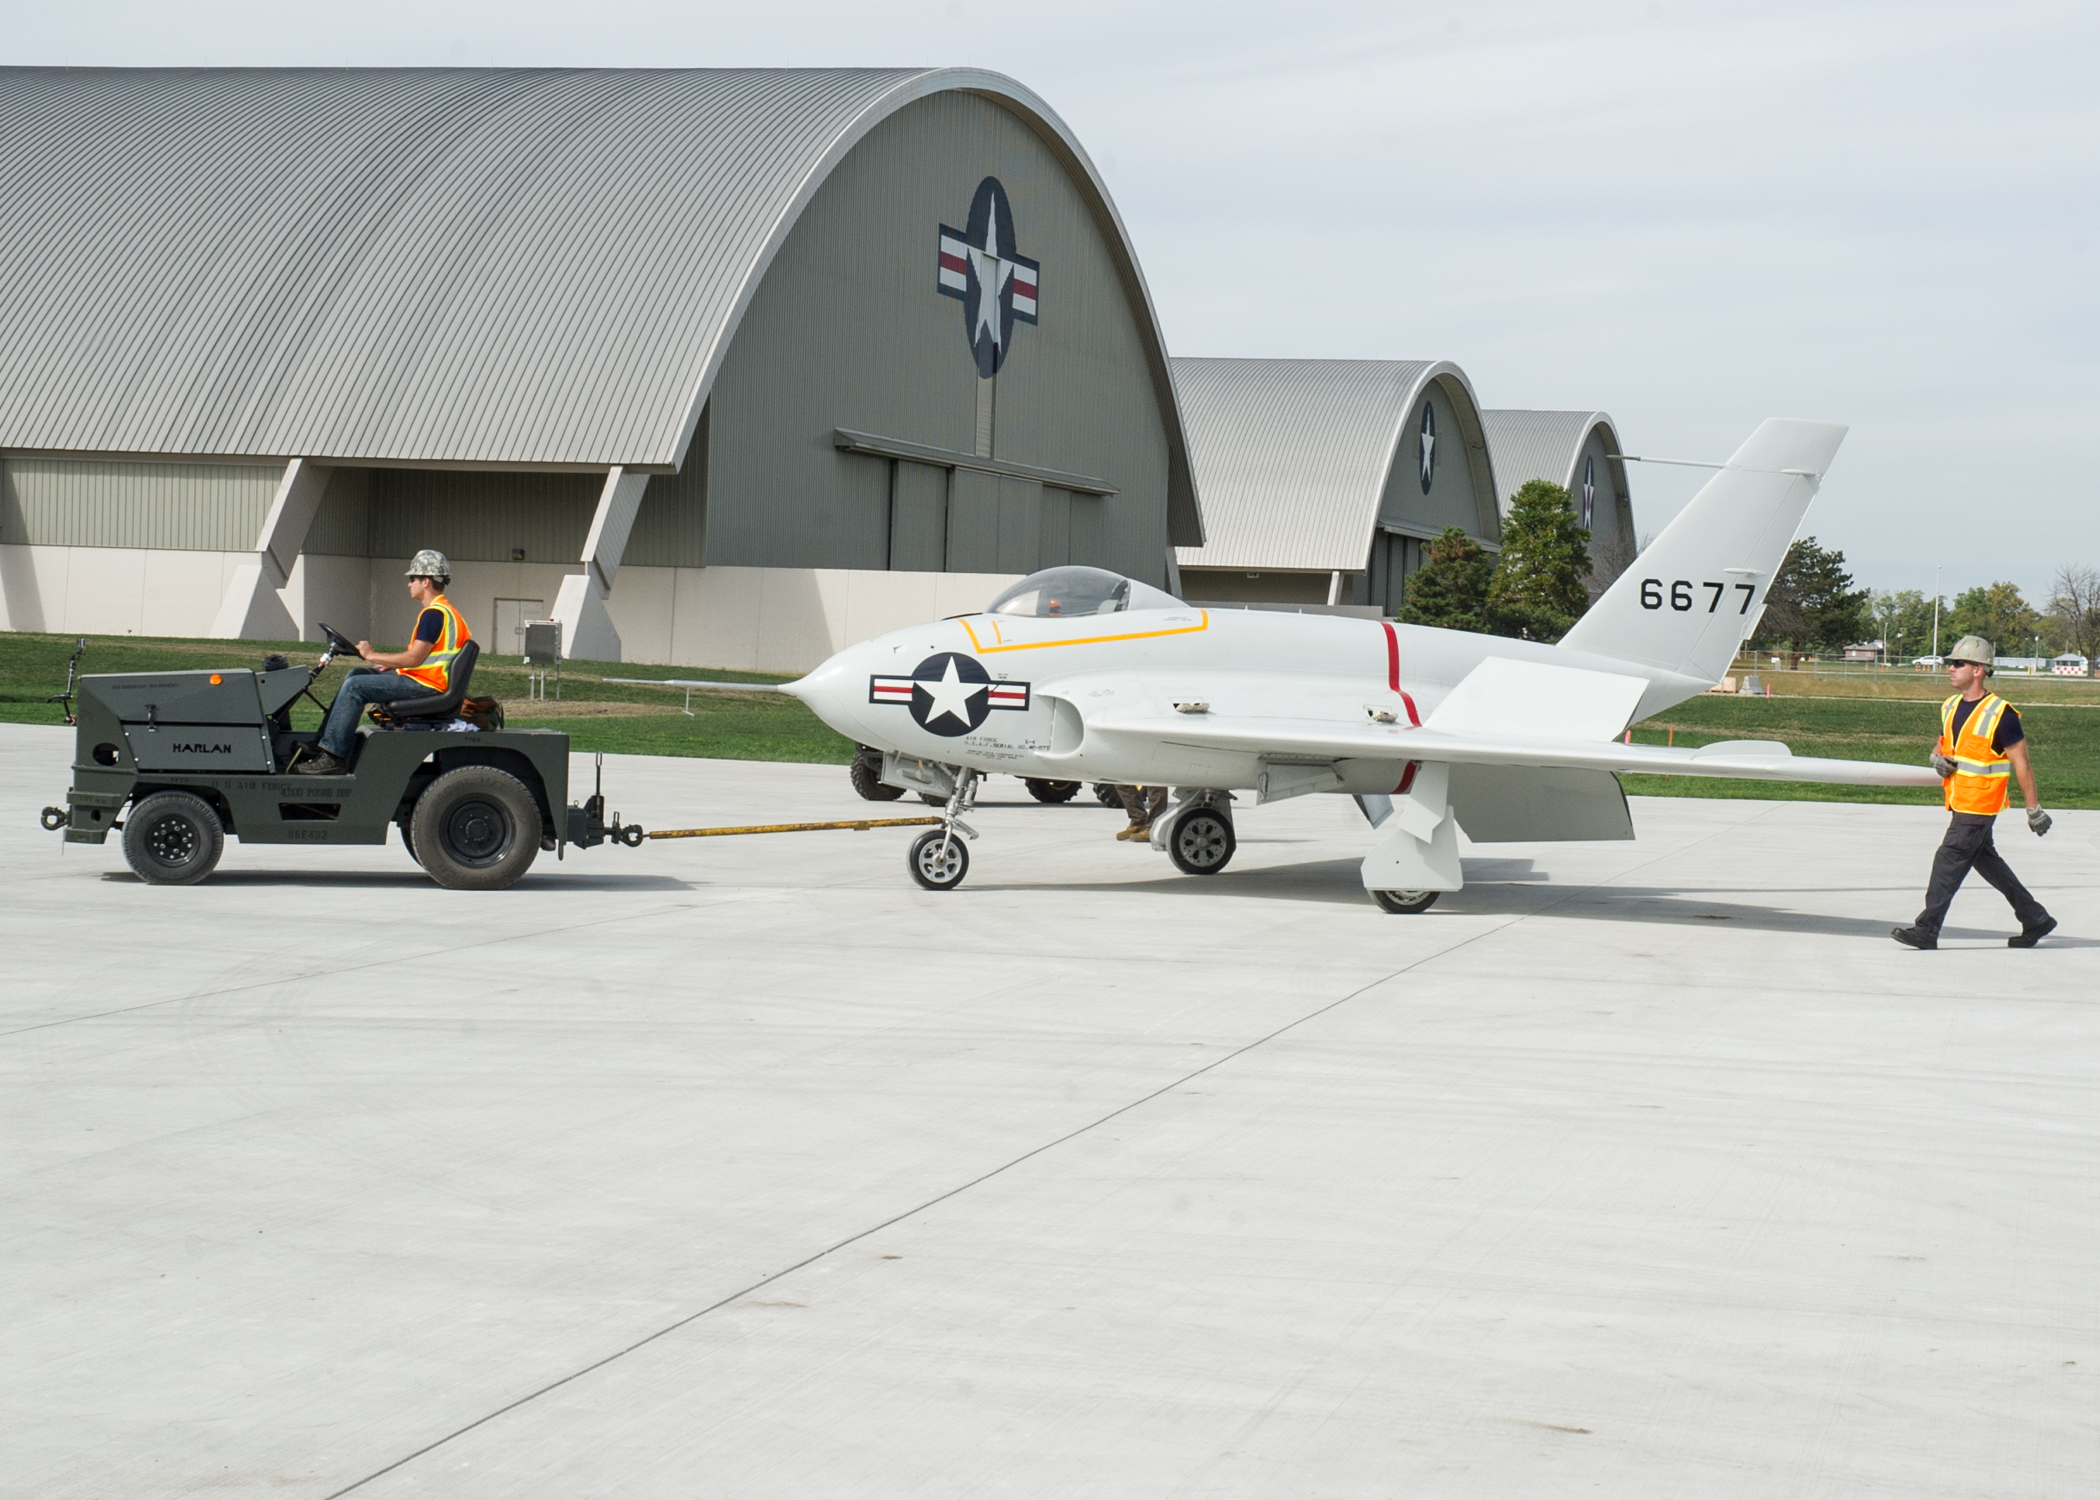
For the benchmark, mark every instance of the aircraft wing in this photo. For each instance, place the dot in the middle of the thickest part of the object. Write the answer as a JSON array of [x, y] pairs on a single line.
[[1753, 760]]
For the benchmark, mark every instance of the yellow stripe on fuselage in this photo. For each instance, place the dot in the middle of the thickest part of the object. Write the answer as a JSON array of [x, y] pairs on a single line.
[[1002, 644]]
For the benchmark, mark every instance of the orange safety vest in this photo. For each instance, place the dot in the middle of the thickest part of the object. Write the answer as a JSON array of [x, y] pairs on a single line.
[[436, 671], [1981, 774]]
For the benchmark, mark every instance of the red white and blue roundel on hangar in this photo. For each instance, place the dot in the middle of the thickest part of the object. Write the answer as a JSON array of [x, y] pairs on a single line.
[[997, 284], [949, 693]]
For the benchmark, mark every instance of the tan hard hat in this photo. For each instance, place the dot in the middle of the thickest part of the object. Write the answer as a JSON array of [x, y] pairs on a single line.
[[429, 563], [1972, 648]]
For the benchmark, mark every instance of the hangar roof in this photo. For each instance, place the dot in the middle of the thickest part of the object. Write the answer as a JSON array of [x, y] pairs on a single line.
[[470, 266], [1292, 455], [1528, 445]]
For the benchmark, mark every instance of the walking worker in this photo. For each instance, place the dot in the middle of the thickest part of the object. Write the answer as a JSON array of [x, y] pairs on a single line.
[[423, 667], [1143, 804], [1981, 747]]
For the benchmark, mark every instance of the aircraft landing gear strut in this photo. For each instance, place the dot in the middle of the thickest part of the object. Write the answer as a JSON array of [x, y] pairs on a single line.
[[938, 859]]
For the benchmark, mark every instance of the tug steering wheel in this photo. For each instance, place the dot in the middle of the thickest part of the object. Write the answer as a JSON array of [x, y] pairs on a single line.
[[338, 643]]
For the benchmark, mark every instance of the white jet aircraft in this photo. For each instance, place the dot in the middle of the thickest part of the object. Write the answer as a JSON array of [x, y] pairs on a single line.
[[1076, 674]]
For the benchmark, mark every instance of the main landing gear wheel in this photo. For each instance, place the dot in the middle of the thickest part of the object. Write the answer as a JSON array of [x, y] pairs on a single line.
[[476, 829], [1050, 791], [867, 780], [1406, 903], [173, 838], [1105, 794], [1202, 843], [934, 867]]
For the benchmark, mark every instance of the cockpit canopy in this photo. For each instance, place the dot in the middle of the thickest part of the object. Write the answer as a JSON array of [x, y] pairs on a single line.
[[1057, 592]]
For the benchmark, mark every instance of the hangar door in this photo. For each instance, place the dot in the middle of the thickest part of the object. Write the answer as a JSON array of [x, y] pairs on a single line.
[[1393, 558]]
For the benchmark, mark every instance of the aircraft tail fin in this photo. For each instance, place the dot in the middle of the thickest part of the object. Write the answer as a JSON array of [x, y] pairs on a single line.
[[1688, 602]]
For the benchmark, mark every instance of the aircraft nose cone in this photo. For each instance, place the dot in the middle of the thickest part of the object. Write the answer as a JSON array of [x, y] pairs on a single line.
[[830, 695]]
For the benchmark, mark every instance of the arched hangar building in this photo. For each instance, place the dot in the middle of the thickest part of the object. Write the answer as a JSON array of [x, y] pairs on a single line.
[[719, 367], [1579, 451], [1322, 479]]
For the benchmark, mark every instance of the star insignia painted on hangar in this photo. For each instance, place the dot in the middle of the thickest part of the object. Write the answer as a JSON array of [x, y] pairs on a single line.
[[1425, 445], [997, 285], [949, 693]]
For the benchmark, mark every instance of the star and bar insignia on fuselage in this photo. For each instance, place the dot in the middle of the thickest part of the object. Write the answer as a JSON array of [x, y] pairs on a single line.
[[949, 694]]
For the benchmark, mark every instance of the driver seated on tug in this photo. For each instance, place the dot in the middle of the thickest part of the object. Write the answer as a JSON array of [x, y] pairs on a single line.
[[424, 667]]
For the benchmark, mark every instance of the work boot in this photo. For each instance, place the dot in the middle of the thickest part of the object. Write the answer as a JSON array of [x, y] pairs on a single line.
[[1916, 937], [2029, 936], [1136, 833], [320, 763]]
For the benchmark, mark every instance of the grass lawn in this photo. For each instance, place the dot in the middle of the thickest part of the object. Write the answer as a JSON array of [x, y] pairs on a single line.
[[2063, 739], [1903, 683], [2063, 729]]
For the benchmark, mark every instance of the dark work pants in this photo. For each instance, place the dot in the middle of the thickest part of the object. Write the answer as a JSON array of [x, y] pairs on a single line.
[[1143, 803], [1967, 847]]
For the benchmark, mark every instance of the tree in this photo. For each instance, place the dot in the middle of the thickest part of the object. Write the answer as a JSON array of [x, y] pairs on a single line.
[[2074, 609], [1998, 614], [1451, 589], [1903, 620], [1540, 585], [1609, 559], [1812, 604]]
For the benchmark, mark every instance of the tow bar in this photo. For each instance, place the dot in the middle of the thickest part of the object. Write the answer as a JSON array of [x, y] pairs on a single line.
[[861, 824]]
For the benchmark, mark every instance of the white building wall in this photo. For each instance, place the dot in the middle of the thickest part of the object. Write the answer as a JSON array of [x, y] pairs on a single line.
[[113, 590], [742, 619]]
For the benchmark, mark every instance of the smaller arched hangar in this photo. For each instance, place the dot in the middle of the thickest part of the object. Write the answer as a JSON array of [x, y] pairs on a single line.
[[1323, 478], [1578, 450]]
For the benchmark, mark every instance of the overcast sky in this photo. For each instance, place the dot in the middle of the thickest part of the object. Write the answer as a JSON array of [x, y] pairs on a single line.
[[1690, 215]]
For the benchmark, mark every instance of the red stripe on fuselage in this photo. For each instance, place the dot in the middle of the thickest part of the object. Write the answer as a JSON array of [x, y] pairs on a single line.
[[1392, 672]]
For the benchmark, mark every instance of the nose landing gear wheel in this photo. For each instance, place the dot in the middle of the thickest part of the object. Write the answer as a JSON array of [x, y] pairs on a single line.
[[935, 868], [1406, 903], [1202, 844]]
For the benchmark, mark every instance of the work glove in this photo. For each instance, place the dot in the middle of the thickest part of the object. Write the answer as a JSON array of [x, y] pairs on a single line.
[[1942, 766], [2039, 821]]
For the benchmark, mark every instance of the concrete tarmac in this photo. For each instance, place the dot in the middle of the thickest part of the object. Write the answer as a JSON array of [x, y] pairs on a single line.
[[744, 1167]]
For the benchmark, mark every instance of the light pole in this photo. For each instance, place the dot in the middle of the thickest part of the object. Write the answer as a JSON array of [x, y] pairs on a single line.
[[1935, 611]]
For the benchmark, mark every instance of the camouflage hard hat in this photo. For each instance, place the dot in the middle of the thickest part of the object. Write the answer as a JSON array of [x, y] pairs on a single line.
[[1972, 648], [429, 563]]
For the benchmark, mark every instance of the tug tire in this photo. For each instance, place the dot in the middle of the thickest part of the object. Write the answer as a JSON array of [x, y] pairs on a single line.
[[476, 829], [173, 838]]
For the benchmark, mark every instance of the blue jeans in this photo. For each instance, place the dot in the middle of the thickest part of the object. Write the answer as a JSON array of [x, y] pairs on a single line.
[[362, 686]]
